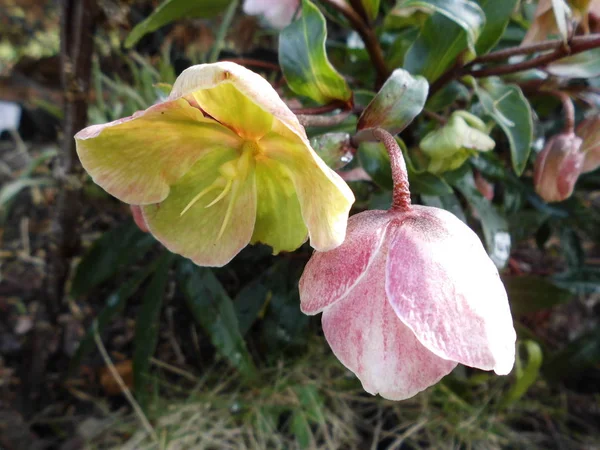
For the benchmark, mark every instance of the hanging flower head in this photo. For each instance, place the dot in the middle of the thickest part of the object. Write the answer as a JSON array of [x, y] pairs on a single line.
[[558, 166], [221, 163], [409, 294]]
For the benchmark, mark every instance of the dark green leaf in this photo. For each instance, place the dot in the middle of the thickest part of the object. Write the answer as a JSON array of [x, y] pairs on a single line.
[[301, 430], [374, 159], [214, 311], [116, 250], [304, 62], [465, 13], [509, 108], [447, 96], [581, 65], [530, 293], [114, 304], [171, 10], [333, 148], [147, 324], [397, 103], [429, 55], [497, 15], [579, 356], [494, 224], [582, 281]]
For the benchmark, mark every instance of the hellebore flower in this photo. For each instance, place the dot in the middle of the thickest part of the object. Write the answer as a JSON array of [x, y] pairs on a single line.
[[558, 166], [221, 163], [449, 147], [277, 13], [589, 132], [409, 294]]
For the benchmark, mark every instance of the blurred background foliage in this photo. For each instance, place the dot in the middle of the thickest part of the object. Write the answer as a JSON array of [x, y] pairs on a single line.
[[223, 358]]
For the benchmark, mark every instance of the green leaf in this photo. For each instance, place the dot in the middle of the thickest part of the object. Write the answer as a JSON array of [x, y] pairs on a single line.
[[301, 429], [304, 62], [171, 10], [581, 65], [526, 372], [147, 324], [111, 253], [530, 293], [465, 13], [497, 14], [495, 225], [397, 103], [429, 55], [214, 311], [446, 96], [509, 108], [333, 148], [371, 7], [449, 202], [113, 305]]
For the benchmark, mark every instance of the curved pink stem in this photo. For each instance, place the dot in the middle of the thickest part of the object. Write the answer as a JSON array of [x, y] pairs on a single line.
[[401, 194]]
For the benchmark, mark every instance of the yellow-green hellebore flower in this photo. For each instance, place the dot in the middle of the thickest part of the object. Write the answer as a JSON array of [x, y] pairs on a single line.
[[223, 162], [450, 146]]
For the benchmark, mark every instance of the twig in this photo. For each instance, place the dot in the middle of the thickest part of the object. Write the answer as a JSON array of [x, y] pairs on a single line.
[[568, 111], [577, 45], [320, 109], [126, 392], [323, 121], [255, 63], [401, 194], [367, 35]]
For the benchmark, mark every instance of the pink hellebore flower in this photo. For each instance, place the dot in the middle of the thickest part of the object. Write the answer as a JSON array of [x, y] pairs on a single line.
[[278, 13], [558, 166], [589, 131], [220, 164], [409, 294]]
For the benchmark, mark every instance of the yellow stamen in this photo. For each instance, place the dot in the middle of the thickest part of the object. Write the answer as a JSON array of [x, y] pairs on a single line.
[[201, 194], [234, 191], [222, 194]]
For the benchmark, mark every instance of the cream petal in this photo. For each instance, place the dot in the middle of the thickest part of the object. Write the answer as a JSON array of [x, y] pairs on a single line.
[[367, 337], [442, 284], [329, 276]]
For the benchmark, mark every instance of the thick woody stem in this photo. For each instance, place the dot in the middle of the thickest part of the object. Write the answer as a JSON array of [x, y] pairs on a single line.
[[568, 111], [401, 194]]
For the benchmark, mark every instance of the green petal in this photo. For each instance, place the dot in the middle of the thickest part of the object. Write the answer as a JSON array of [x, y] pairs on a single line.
[[278, 217], [137, 158], [325, 199], [235, 110], [195, 234]]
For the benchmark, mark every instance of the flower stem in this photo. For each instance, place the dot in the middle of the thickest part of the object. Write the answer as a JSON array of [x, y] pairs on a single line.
[[401, 194], [568, 111], [222, 33]]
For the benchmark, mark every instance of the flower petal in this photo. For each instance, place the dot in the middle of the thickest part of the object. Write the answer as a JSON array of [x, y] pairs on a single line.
[[278, 217], [325, 199], [225, 87], [329, 276], [368, 338], [137, 158], [196, 233], [443, 286]]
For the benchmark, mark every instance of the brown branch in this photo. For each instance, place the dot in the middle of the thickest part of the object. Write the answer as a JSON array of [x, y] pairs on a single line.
[[576, 45], [367, 35], [254, 63], [77, 44], [321, 109]]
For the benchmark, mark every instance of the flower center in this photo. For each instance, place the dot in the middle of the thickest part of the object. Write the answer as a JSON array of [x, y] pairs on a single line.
[[231, 175]]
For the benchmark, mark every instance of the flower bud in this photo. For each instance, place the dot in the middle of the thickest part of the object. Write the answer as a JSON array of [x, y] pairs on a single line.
[[450, 146], [558, 166], [589, 132]]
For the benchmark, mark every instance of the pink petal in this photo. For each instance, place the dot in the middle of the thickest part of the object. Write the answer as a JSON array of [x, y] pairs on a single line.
[[329, 276], [443, 286], [367, 337], [138, 217]]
